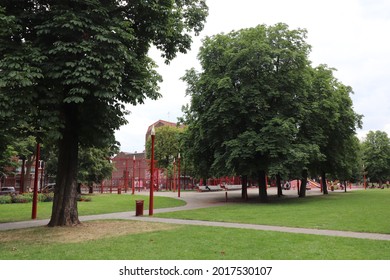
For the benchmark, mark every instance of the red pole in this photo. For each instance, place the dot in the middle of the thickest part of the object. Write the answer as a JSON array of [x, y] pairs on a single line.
[[139, 175], [151, 174], [174, 175], [35, 195], [42, 175], [132, 185], [127, 175], [178, 175]]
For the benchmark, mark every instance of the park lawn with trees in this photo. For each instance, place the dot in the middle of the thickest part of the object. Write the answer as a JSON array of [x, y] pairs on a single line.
[[360, 211], [98, 204]]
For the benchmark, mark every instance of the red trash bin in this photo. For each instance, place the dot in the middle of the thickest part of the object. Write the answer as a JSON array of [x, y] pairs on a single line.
[[139, 207]]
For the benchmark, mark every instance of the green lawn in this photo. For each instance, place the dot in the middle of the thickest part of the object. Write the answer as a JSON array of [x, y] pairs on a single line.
[[193, 243], [100, 203], [362, 211], [366, 211]]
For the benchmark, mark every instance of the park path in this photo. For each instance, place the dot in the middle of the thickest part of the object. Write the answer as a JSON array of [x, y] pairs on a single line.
[[196, 200]]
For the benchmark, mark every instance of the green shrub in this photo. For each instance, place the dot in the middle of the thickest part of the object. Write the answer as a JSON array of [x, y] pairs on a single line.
[[5, 199], [45, 197], [22, 198]]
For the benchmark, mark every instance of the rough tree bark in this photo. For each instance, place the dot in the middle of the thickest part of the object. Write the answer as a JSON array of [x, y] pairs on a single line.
[[244, 189], [64, 212], [302, 192], [279, 185], [323, 183], [263, 186]]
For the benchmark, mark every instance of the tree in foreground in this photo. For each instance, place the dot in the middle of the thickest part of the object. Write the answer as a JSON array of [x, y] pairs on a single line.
[[246, 101], [70, 66]]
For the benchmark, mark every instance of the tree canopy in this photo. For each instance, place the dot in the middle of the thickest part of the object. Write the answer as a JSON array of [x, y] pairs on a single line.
[[69, 67], [258, 106], [376, 156]]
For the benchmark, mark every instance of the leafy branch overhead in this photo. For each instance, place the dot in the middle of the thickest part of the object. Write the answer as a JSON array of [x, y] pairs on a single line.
[[69, 67]]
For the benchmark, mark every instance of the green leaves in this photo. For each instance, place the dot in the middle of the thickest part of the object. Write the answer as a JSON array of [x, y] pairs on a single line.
[[376, 155], [258, 104]]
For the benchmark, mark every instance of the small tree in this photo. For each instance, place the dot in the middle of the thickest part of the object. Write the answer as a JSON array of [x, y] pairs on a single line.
[[376, 156], [94, 166]]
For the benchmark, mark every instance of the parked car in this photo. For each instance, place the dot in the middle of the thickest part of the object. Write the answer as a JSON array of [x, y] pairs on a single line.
[[7, 190]]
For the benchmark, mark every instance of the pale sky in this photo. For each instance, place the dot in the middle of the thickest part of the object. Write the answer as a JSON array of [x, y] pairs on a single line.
[[349, 35]]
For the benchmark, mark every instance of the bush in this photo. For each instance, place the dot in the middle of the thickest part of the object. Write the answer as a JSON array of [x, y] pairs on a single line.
[[45, 197], [5, 199], [22, 198]]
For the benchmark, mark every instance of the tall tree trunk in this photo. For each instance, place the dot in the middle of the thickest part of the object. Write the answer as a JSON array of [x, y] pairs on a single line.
[[244, 189], [263, 186], [302, 192], [64, 212], [279, 185], [324, 186]]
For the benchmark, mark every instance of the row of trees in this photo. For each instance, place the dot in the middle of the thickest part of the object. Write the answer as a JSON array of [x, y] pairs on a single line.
[[94, 163], [370, 157]]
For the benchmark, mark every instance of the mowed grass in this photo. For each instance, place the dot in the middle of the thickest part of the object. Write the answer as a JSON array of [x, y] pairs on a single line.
[[99, 204], [132, 240], [358, 210]]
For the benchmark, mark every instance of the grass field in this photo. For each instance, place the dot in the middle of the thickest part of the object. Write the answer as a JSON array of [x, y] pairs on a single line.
[[147, 241], [366, 211], [99, 204], [361, 211]]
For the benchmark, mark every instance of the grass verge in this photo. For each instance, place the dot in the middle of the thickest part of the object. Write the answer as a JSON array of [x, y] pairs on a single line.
[[119, 240], [361, 211], [100, 204]]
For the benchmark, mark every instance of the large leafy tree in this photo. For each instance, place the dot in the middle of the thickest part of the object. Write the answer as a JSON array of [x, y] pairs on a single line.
[[70, 66], [328, 129], [258, 107], [376, 156], [246, 101]]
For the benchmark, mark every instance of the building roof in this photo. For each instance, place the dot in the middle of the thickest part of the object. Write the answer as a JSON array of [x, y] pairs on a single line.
[[160, 123]]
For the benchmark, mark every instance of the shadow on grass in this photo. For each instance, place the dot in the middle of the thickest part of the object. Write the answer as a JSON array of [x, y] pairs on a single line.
[[289, 199]]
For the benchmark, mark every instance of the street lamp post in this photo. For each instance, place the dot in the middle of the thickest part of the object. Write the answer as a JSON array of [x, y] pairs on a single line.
[[152, 134], [178, 175]]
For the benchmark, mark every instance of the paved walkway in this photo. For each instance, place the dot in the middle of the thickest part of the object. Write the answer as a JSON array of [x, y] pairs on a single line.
[[197, 200]]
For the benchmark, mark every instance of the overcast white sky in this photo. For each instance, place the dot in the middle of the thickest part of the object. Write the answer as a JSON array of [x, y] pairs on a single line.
[[349, 35]]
